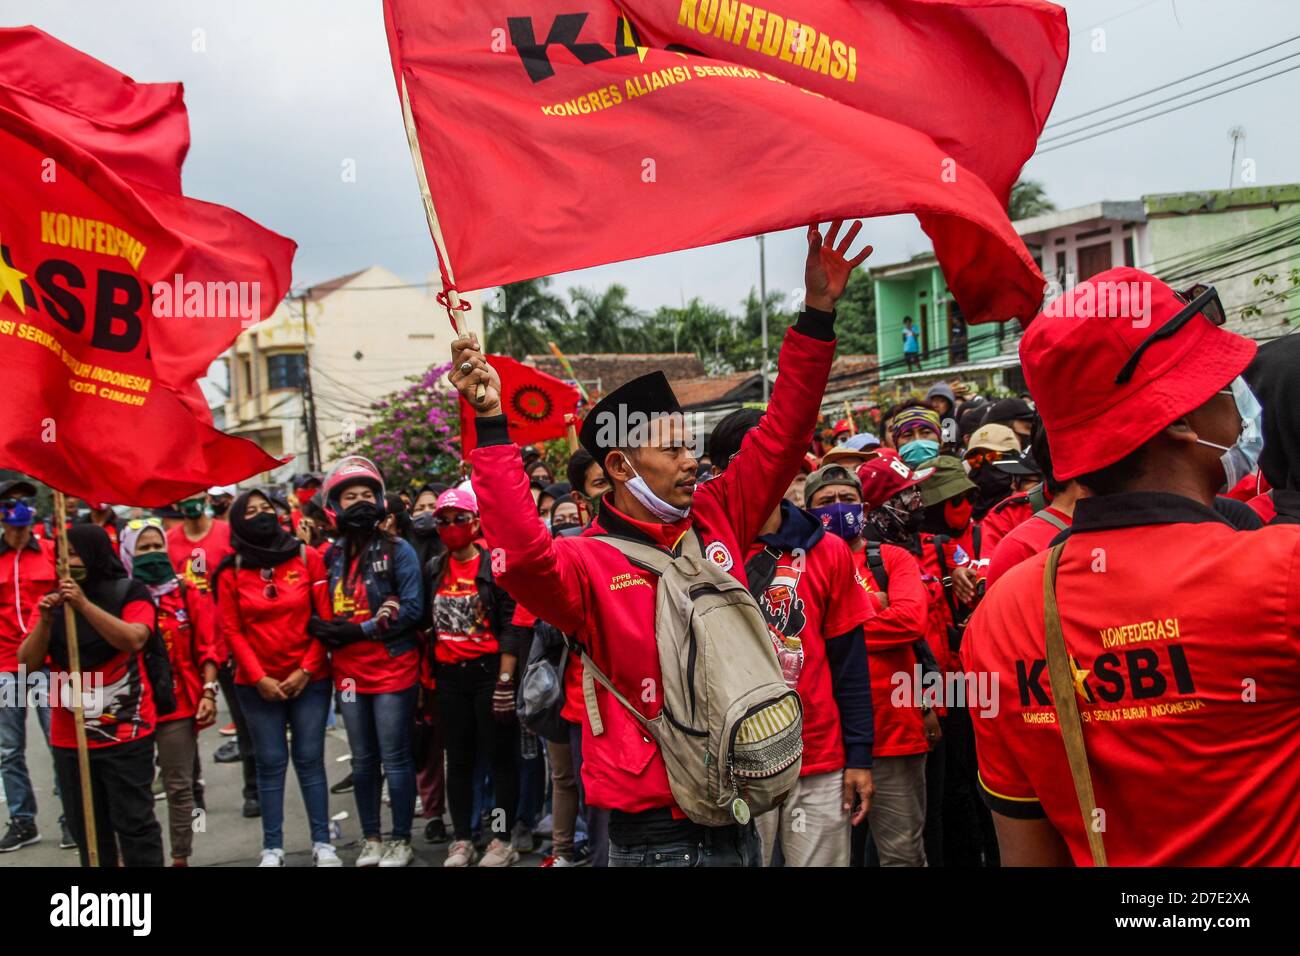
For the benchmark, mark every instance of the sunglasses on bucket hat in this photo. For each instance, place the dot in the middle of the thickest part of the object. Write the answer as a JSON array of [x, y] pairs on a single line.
[[1201, 300]]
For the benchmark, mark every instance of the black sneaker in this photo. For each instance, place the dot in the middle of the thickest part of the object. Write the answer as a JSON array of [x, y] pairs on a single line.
[[21, 833], [252, 807], [228, 752], [343, 786], [435, 831], [66, 840]]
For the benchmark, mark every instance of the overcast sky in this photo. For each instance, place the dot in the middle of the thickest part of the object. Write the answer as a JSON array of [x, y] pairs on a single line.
[[287, 90]]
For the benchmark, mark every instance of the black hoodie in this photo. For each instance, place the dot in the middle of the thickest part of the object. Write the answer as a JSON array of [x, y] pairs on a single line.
[[1274, 377]]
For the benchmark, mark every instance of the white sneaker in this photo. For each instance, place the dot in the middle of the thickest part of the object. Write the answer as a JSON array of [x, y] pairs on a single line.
[[419, 806], [397, 853], [371, 854], [499, 853], [324, 854], [272, 858], [461, 853]]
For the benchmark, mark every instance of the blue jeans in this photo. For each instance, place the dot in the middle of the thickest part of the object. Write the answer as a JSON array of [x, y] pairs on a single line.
[[267, 721], [13, 745], [379, 731]]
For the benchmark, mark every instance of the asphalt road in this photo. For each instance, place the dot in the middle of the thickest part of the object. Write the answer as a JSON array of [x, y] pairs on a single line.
[[230, 839]]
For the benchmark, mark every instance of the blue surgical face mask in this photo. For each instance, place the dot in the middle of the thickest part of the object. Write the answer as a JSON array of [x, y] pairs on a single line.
[[1242, 459], [841, 519], [919, 451]]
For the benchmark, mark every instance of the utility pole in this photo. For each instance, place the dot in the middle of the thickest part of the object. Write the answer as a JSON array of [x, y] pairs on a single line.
[[308, 397], [1236, 134], [762, 309]]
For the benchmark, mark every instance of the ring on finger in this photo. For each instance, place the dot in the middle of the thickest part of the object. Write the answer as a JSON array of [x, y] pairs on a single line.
[[466, 367]]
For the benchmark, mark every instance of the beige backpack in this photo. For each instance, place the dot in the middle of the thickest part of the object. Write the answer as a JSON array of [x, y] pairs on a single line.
[[730, 730]]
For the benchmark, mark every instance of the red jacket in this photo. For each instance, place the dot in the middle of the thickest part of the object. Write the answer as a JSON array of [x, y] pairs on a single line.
[[268, 635], [957, 552], [590, 589], [26, 576], [186, 622], [1002, 517], [890, 634]]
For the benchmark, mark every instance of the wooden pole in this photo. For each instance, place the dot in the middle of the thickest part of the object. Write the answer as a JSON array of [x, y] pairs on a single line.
[[74, 665], [435, 228], [848, 413], [572, 430], [564, 363]]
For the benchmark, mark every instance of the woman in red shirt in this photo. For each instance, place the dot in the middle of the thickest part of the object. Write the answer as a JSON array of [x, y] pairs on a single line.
[[114, 621], [266, 592], [185, 621]]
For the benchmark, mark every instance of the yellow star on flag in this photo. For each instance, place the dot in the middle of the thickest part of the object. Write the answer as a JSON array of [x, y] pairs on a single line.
[[1080, 676], [11, 284], [630, 40]]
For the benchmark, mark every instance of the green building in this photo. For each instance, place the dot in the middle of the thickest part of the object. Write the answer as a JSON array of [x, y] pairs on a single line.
[[1245, 242]]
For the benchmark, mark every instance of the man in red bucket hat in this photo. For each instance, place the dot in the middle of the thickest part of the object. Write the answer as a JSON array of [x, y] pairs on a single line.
[[1174, 739]]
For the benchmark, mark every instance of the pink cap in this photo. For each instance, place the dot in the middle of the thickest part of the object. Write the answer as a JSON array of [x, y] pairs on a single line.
[[461, 498]]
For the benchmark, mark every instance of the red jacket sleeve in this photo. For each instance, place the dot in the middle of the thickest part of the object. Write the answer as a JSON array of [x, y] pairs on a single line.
[[317, 656], [233, 628], [771, 454], [208, 649], [907, 617], [543, 573]]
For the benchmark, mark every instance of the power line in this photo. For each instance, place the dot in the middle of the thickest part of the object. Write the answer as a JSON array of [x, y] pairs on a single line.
[[1165, 86], [1170, 99], [1172, 109]]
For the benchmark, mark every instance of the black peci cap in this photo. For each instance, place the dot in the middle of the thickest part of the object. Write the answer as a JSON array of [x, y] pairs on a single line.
[[633, 403]]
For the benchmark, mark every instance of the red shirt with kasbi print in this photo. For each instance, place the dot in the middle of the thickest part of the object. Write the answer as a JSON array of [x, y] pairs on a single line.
[[461, 629], [185, 621], [117, 699], [1187, 685]]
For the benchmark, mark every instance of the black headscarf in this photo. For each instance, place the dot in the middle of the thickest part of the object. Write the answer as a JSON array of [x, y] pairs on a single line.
[[426, 543], [395, 506], [254, 550], [1274, 377], [104, 572]]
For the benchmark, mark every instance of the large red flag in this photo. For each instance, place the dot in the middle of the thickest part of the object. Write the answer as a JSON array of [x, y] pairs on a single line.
[[86, 408], [535, 404], [561, 134], [140, 132]]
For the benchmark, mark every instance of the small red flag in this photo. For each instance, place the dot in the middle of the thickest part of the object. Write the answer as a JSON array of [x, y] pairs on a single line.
[[535, 404], [580, 133]]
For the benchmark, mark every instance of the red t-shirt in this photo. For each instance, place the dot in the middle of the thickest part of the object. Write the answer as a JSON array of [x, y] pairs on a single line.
[[366, 666], [26, 576], [461, 629], [1023, 542], [957, 554], [1263, 506], [117, 700], [1008, 513], [195, 561], [267, 632], [1186, 683], [890, 634], [809, 601], [185, 620]]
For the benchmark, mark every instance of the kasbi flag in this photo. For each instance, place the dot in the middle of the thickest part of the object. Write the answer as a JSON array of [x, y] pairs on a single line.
[[562, 134]]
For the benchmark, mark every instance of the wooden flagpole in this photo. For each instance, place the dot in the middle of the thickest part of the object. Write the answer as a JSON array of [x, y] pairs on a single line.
[[74, 665], [564, 362], [431, 216], [848, 413]]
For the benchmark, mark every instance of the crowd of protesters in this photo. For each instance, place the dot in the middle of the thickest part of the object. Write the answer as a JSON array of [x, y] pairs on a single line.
[[495, 648]]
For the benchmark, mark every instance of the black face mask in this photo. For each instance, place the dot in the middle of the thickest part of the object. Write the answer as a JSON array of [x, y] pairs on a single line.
[[359, 518], [262, 528], [994, 484], [423, 524], [219, 508]]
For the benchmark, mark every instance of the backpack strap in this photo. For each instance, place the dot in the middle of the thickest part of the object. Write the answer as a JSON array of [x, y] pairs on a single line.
[[1051, 519], [1038, 498], [1062, 673], [975, 539], [645, 556], [945, 575], [876, 564], [591, 675]]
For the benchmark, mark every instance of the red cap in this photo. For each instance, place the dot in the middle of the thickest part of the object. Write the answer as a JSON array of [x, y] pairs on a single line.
[[885, 476], [842, 426], [1074, 349]]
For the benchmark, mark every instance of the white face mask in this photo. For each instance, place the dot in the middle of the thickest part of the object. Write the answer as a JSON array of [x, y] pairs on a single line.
[[652, 502], [1242, 458]]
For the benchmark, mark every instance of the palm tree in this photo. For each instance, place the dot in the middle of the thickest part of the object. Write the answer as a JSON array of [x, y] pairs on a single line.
[[1028, 198], [524, 318], [604, 321]]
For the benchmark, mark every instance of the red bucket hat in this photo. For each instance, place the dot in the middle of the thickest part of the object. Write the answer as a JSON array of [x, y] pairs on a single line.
[[885, 476], [1075, 348]]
